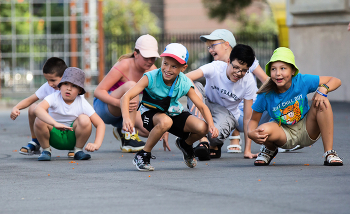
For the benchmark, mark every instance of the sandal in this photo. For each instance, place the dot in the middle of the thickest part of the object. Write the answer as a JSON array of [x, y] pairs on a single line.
[[265, 155], [217, 152], [26, 150], [202, 151], [239, 148], [330, 157]]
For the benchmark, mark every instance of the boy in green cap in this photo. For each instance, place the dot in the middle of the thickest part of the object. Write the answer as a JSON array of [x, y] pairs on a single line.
[[294, 123]]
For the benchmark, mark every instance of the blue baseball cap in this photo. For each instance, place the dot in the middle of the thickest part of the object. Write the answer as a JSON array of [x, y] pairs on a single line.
[[218, 34]]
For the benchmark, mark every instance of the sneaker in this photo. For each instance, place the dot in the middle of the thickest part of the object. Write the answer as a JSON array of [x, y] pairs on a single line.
[[133, 144], [117, 132], [31, 149], [142, 161], [188, 153], [45, 156], [81, 156]]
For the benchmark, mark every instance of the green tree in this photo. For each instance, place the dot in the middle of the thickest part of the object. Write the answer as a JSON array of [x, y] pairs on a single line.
[[220, 9], [128, 17]]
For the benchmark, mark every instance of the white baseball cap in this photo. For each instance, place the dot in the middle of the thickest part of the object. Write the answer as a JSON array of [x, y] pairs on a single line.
[[218, 34], [147, 45], [176, 51]]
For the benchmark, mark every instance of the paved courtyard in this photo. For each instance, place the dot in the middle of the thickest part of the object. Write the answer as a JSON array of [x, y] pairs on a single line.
[[295, 182]]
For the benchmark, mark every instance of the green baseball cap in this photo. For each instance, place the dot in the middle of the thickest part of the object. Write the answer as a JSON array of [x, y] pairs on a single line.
[[284, 55]]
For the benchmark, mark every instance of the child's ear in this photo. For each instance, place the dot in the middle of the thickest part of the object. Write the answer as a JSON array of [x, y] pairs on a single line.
[[184, 68]]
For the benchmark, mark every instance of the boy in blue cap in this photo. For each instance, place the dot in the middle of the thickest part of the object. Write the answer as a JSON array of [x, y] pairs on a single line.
[[161, 110]]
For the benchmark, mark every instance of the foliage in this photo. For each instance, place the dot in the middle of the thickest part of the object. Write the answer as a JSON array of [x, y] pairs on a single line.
[[254, 24], [220, 9], [128, 17]]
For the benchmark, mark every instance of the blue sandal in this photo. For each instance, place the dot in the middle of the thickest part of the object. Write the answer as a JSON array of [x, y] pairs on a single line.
[[27, 150]]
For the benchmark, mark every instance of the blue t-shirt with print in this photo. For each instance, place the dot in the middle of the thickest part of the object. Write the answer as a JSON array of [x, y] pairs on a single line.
[[158, 90], [291, 106]]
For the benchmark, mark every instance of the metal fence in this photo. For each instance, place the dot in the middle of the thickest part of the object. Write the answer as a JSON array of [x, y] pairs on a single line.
[[263, 44]]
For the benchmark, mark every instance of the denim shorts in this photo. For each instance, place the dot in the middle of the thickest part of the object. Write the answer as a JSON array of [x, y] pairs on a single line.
[[101, 109]]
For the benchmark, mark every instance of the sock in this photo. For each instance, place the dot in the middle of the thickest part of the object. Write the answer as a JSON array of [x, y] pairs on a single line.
[[48, 149], [133, 132], [36, 141], [76, 149]]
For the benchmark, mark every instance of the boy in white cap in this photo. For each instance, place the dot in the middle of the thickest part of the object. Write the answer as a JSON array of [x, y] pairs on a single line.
[[64, 119], [161, 110]]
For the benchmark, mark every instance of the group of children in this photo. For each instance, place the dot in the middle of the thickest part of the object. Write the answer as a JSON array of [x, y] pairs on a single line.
[[227, 104]]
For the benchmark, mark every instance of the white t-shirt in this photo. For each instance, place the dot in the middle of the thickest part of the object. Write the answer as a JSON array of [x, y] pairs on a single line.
[[251, 72], [44, 91], [219, 89], [64, 113]]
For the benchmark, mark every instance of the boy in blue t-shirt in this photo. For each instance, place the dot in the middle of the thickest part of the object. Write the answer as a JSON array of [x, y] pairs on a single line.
[[161, 110], [284, 96]]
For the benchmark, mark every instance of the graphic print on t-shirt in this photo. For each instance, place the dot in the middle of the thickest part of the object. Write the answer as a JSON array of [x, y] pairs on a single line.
[[290, 114]]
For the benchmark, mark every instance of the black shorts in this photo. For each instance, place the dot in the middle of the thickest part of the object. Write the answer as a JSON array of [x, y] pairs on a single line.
[[176, 129]]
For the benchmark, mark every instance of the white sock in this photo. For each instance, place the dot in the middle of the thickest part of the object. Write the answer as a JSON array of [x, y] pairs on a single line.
[[48, 149], [76, 149], [133, 132]]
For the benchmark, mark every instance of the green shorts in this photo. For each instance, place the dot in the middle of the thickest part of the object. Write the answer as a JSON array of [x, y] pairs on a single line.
[[62, 140]]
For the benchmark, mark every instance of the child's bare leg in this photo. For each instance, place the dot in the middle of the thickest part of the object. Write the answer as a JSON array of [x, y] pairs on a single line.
[[31, 119], [198, 128], [82, 128], [276, 136], [162, 123], [139, 125], [42, 131], [321, 121]]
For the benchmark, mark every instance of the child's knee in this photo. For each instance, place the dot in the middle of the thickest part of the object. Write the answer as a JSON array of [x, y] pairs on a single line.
[[203, 128], [31, 109], [129, 84], [83, 121], [165, 123]]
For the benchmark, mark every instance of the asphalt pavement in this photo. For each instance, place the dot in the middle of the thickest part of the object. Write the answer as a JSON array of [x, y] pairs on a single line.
[[295, 182]]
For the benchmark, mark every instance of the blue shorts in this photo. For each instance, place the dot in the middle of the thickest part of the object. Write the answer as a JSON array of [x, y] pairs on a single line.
[[101, 109]]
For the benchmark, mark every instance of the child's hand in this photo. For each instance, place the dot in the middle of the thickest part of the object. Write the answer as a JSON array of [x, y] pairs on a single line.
[[91, 147], [196, 111], [15, 113], [127, 125], [258, 136], [213, 131], [133, 105], [320, 102], [62, 127], [165, 139]]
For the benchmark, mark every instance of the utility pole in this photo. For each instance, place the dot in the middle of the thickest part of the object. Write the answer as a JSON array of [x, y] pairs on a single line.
[[101, 58], [87, 46], [73, 35]]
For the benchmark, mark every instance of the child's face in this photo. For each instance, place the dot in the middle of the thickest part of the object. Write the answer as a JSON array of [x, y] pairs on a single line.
[[143, 62], [236, 71], [281, 74], [171, 69], [53, 80], [69, 92], [219, 49]]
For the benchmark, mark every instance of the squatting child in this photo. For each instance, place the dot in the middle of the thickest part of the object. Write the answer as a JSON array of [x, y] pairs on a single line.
[[64, 119], [161, 110], [52, 70], [294, 123]]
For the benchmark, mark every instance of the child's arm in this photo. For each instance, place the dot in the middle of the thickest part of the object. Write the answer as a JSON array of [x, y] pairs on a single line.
[[100, 133], [124, 102], [254, 133], [112, 77], [247, 114], [23, 104], [260, 74], [333, 83], [194, 75], [41, 113], [204, 110]]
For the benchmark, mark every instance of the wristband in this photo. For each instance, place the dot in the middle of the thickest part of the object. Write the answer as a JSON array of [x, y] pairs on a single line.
[[325, 95], [325, 86]]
